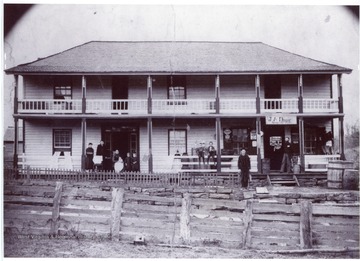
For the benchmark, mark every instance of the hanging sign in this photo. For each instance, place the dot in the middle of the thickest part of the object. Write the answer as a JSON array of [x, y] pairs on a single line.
[[281, 119]]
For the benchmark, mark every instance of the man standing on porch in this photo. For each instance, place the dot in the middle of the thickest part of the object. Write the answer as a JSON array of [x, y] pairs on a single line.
[[244, 166], [286, 157]]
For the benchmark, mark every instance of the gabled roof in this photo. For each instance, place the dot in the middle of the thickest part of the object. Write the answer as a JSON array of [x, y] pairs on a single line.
[[175, 57]]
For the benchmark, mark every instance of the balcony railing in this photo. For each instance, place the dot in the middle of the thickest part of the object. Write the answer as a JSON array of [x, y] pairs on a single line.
[[238, 105], [181, 106], [117, 106], [321, 105], [279, 105], [49, 106]]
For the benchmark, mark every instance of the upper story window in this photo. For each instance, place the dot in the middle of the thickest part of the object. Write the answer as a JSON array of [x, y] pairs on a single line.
[[62, 88], [62, 140], [176, 87]]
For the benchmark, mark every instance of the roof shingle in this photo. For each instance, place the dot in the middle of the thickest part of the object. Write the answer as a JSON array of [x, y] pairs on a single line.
[[175, 57]]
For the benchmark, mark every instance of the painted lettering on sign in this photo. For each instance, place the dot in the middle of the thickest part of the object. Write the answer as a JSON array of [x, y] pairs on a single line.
[[281, 120]]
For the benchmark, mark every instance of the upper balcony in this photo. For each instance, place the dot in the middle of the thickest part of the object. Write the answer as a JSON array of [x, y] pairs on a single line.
[[175, 106]]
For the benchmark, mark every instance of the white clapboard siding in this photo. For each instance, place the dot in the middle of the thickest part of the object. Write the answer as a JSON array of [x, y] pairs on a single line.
[[237, 87], [98, 87], [200, 87], [138, 87], [36, 87], [289, 86], [317, 86], [159, 87]]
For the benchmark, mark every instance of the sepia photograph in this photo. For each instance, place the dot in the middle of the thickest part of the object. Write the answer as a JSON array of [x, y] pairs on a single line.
[[176, 129]]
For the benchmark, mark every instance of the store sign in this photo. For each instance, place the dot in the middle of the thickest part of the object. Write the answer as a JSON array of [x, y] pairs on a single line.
[[281, 120]]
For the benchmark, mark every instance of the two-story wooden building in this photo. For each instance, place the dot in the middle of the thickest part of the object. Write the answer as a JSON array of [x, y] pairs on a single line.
[[157, 98]]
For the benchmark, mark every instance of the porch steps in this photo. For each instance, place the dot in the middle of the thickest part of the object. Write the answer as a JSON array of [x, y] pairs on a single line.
[[283, 179]]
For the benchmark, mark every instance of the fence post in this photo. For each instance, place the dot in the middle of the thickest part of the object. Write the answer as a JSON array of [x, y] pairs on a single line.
[[247, 224], [56, 209], [185, 218], [305, 225], [116, 206]]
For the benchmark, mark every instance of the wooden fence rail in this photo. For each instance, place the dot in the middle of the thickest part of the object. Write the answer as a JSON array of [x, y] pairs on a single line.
[[195, 216]]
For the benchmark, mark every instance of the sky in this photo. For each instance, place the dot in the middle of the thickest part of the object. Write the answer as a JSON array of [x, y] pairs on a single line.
[[326, 33]]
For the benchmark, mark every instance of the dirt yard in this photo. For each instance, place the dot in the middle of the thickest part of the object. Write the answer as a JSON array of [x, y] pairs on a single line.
[[96, 248]]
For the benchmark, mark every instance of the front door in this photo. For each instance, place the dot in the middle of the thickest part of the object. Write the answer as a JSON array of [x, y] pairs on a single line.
[[122, 138], [273, 140]]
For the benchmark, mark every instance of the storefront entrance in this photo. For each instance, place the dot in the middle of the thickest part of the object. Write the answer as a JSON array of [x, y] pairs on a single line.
[[273, 149]]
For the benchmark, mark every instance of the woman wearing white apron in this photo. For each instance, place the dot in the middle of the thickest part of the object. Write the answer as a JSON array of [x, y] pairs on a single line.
[[118, 162]]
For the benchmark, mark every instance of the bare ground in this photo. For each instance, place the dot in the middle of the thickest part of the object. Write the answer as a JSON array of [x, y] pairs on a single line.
[[76, 248]]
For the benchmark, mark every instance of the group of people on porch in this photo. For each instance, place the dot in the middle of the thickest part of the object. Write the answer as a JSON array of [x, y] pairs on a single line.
[[112, 162]]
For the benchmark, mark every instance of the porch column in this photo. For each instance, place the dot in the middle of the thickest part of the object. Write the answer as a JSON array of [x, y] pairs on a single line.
[[218, 123], [16, 121], [83, 90], [341, 138], [149, 122], [341, 119], [300, 94], [83, 142], [302, 144], [149, 129], [341, 104], [217, 94], [218, 148], [258, 144], [149, 94], [257, 92]]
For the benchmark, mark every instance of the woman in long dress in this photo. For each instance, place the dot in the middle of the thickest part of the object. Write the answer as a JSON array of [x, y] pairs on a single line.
[[118, 162]]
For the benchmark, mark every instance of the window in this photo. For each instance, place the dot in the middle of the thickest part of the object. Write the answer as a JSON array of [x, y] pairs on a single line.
[[236, 139], [177, 141], [62, 140], [62, 88], [176, 87]]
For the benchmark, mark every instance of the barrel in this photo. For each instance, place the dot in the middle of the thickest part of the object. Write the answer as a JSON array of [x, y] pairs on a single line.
[[336, 172], [266, 166], [351, 179]]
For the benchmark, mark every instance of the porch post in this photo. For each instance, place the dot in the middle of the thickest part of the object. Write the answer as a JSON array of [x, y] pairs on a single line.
[[218, 123], [301, 144], [258, 144], [218, 148], [149, 129], [16, 121], [149, 122], [149, 94], [83, 101], [83, 142], [257, 91], [341, 138], [300, 94], [217, 94], [341, 104], [341, 119]]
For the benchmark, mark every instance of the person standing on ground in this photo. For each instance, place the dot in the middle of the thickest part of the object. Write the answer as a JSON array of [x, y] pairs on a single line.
[[286, 157], [89, 164], [244, 166], [135, 163], [128, 162], [100, 150]]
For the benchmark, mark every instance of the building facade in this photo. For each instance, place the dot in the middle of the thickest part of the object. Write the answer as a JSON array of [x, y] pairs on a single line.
[[161, 99]]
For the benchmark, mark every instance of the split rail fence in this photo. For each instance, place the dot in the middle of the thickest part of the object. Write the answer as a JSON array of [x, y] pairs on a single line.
[[191, 216]]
